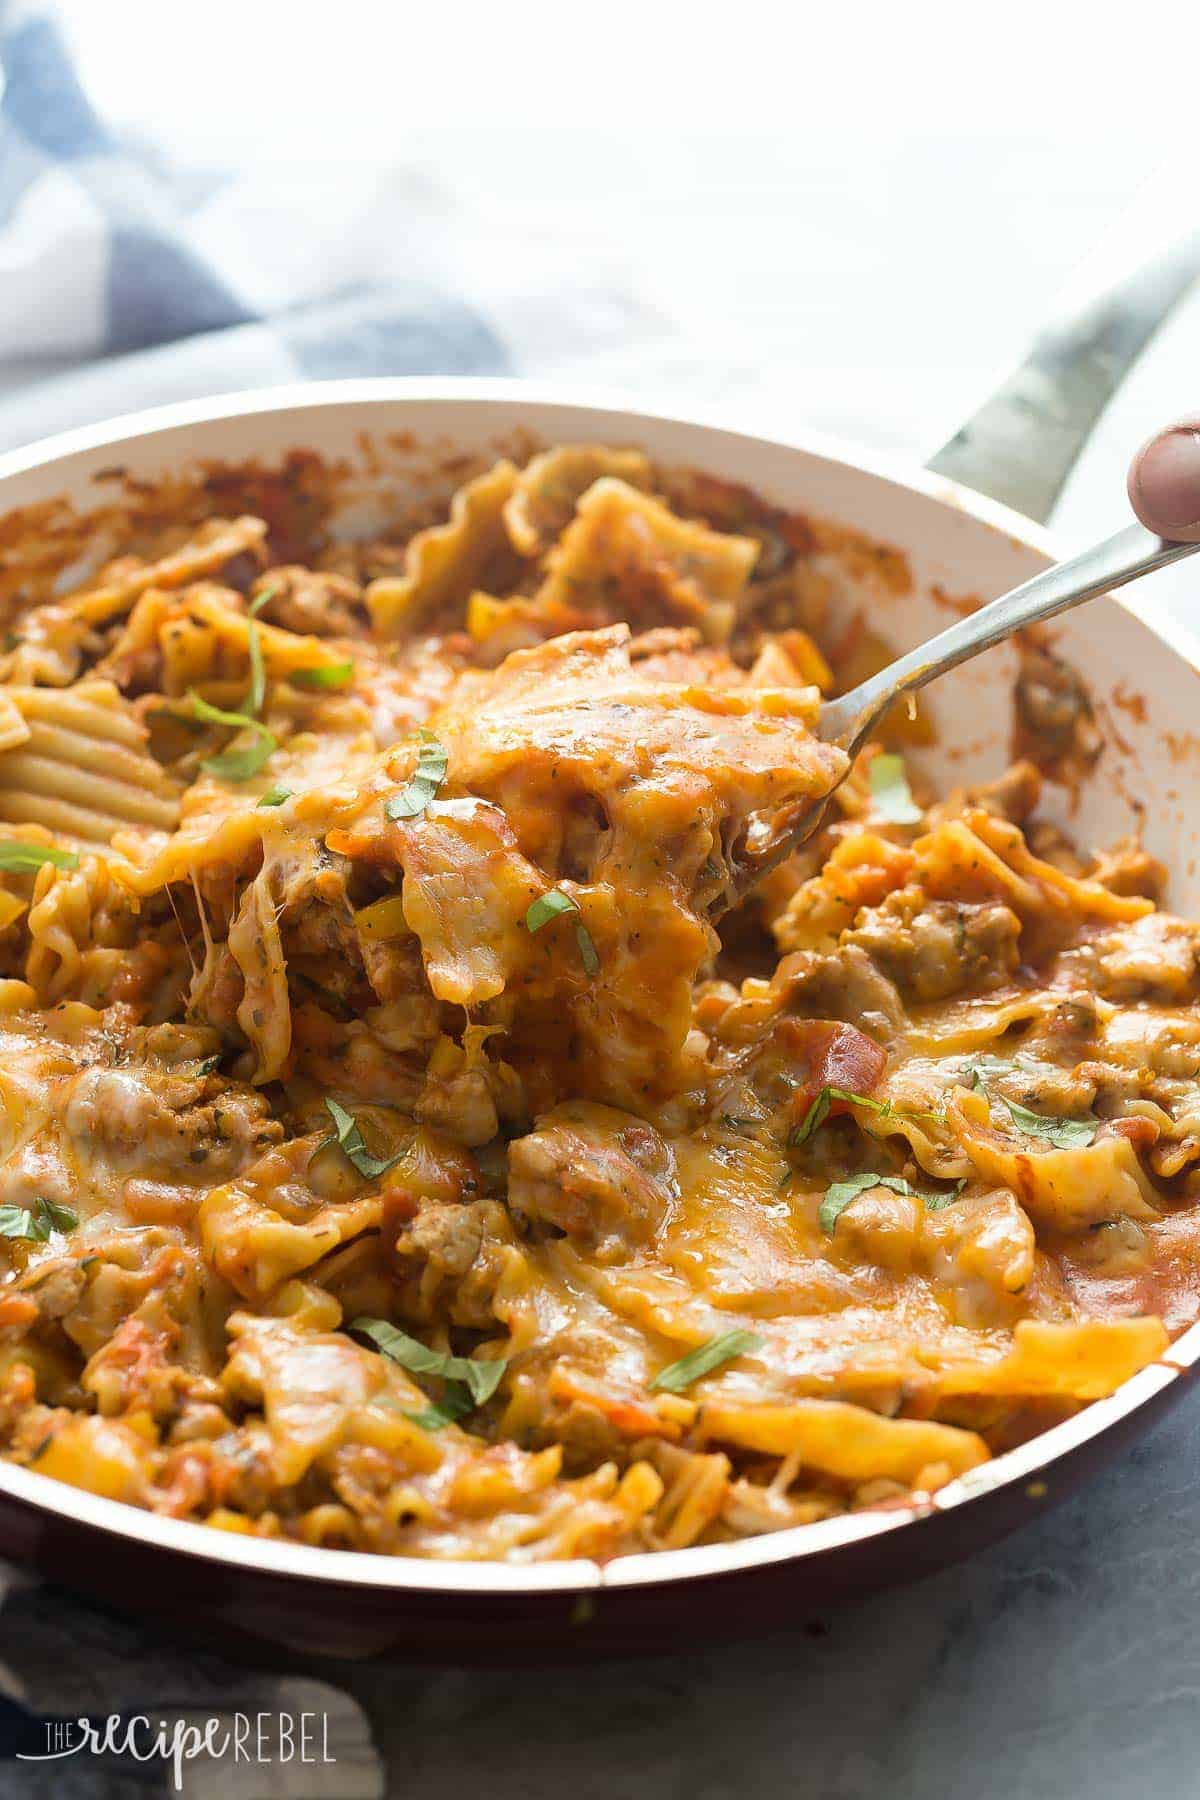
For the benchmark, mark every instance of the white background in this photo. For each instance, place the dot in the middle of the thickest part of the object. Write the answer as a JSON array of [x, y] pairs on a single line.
[[854, 215]]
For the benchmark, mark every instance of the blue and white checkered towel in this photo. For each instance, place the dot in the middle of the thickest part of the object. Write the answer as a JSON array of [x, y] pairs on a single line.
[[126, 281], [123, 284]]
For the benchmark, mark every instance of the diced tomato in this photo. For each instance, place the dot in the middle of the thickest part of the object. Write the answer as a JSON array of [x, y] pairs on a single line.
[[835, 1055]]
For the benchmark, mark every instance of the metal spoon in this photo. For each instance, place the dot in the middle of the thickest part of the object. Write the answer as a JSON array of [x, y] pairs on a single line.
[[849, 720]]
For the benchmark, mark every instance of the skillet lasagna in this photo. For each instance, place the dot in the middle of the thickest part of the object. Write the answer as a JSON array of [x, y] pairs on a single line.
[[408, 1145]]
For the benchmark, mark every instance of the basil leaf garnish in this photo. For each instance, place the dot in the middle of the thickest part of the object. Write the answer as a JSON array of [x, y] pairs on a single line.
[[553, 905], [818, 1112], [841, 1193], [234, 765], [20, 858], [325, 675], [423, 787], [470, 1382], [939, 1201], [1064, 1134], [704, 1359], [260, 600], [253, 703], [349, 1139], [548, 906], [36, 1223]]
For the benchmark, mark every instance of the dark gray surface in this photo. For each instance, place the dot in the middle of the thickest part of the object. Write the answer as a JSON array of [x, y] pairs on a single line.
[[1065, 1661]]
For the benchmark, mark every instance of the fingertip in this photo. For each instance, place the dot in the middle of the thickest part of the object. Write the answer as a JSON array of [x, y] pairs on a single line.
[[1164, 482]]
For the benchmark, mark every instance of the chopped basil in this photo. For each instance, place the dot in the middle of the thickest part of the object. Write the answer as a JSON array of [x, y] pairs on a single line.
[[325, 675], [936, 1202], [425, 782], [818, 1112], [481, 1377], [234, 765], [470, 1382], [553, 905], [1064, 1134], [347, 1136], [275, 796], [208, 1064], [20, 858], [260, 600], [548, 906], [841, 1193], [588, 953], [167, 715], [704, 1359], [63, 1218], [454, 1405], [36, 1223], [890, 791], [253, 703], [980, 1067]]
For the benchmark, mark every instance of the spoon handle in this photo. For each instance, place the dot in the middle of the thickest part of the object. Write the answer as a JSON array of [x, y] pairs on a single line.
[[1131, 553]]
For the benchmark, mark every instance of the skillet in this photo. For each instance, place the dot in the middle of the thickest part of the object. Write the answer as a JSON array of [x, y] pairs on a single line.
[[957, 547]]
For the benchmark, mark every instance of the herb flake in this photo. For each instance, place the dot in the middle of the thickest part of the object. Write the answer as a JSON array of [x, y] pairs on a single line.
[[253, 703], [470, 1381], [939, 1201], [841, 1193], [818, 1112], [260, 600], [548, 906], [704, 1359], [35, 1223], [324, 675], [234, 765], [553, 905], [588, 954], [20, 858], [349, 1139], [424, 784], [1064, 1134]]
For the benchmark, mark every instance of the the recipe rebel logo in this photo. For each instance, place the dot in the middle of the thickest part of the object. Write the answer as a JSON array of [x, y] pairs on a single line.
[[262, 1738]]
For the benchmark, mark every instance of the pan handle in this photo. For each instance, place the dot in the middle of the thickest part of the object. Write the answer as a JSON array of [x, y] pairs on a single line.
[[1024, 441]]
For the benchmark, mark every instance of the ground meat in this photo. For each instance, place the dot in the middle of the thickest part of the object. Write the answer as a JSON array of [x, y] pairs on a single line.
[[175, 1119], [934, 948], [55, 1287], [1054, 723], [599, 1175], [460, 1104], [451, 1256], [1012, 796], [843, 984], [309, 601]]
